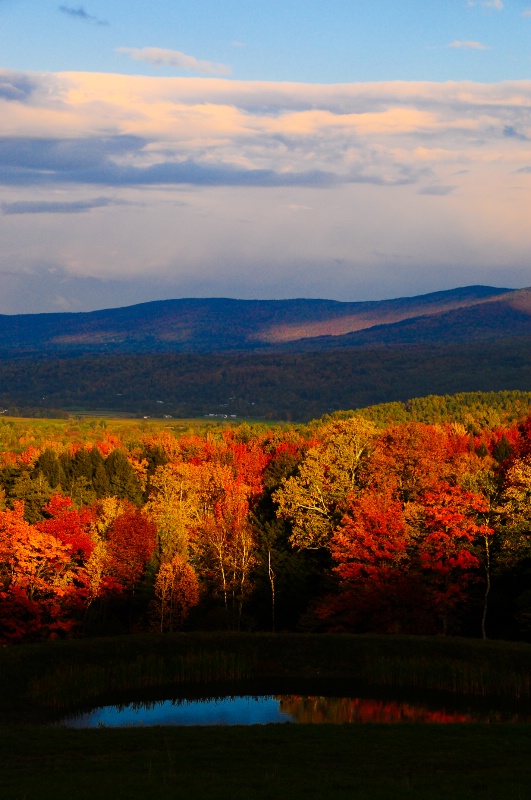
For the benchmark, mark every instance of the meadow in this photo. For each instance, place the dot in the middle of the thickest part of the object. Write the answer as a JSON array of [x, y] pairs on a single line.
[[273, 761]]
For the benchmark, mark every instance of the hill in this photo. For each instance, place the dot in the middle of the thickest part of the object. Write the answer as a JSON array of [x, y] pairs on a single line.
[[274, 359], [498, 317], [219, 324]]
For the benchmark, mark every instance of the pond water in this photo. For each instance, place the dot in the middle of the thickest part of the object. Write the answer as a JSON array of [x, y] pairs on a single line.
[[264, 709]]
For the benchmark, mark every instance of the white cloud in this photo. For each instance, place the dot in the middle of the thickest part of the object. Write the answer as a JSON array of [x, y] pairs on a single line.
[[211, 132], [468, 45], [174, 58], [498, 5]]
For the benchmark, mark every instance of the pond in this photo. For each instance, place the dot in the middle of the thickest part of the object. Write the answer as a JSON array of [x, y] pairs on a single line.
[[300, 709]]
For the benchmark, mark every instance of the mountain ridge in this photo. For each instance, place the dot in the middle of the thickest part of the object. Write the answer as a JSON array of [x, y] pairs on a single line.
[[227, 324]]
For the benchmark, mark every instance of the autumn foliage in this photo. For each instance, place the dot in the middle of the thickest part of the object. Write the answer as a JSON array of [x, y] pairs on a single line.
[[340, 525]]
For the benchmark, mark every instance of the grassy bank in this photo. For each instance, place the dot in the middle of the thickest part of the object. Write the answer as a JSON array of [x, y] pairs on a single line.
[[438, 762], [37, 679]]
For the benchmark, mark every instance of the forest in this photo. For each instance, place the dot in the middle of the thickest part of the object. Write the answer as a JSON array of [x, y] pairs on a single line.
[[406, 518], [298, 386]]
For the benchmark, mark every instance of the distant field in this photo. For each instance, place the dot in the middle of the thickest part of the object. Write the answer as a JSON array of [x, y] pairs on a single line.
[[18, 433]]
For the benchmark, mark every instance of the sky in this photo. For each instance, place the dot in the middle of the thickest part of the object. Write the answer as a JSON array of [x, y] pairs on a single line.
[[257, 149]]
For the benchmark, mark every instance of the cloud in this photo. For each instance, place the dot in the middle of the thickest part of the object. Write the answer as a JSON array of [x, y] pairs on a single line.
[[467, 45], [58, 207], [511, 132], [80, 14], [25, 162], [48, 284], [16, 86], [362, 163], [174, 58], [498, 5], [438, 191], [209, 132]]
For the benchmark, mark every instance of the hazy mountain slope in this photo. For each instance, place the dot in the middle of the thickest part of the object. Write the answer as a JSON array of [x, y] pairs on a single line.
[[218, 324], [496, 318]]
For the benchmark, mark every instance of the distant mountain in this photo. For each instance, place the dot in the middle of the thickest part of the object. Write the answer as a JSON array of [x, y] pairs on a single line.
[[218, 325], [498, 317]]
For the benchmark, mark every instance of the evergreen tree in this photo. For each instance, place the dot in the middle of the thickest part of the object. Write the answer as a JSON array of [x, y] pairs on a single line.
[[35, 492], [100, 478], [50, 467], [123, 482]]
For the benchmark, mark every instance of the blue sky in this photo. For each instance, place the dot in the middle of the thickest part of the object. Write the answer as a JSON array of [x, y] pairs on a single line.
[[332, 41], [352, 150]]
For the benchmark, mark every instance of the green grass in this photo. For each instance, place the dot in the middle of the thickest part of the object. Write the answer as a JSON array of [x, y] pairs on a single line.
[[311, 762]]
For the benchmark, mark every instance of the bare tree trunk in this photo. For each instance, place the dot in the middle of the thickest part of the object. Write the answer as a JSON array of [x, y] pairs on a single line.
[[487, 591], [272, 583]]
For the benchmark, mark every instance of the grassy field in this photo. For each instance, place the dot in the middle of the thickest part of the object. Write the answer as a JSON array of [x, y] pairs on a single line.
[[273, 761], [373, 762]]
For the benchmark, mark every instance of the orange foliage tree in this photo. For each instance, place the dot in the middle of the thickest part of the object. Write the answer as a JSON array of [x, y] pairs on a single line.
[[38, 589], [224, 543], [406, 567], [131, 540], [176, 592], [450, 526], [70, 525]]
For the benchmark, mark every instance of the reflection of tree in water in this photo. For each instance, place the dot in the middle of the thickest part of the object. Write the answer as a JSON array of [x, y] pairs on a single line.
[[338, 710]]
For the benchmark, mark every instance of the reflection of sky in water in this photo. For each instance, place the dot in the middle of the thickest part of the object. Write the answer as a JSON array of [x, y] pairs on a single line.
[[264, 709], [224, 711]]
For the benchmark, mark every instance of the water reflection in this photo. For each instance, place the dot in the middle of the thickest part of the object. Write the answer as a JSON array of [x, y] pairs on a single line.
[[338, 710], [264, 709]]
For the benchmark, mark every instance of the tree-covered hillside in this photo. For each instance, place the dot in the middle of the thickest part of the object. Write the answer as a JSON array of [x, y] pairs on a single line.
[[292, 386]]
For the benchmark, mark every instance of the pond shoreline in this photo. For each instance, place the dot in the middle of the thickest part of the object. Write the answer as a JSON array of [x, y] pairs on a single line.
[[45, 679]]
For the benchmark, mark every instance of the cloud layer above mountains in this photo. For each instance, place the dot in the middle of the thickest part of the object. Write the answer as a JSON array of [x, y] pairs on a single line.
[[165, 187]]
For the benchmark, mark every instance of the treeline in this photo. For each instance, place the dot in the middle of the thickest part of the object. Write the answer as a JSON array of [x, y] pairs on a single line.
[[474, 410], [343, 524], [288, 386]]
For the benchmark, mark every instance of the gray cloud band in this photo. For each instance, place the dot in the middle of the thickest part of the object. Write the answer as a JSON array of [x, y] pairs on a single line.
[[32, 161], [50, 207], [18, 87]]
